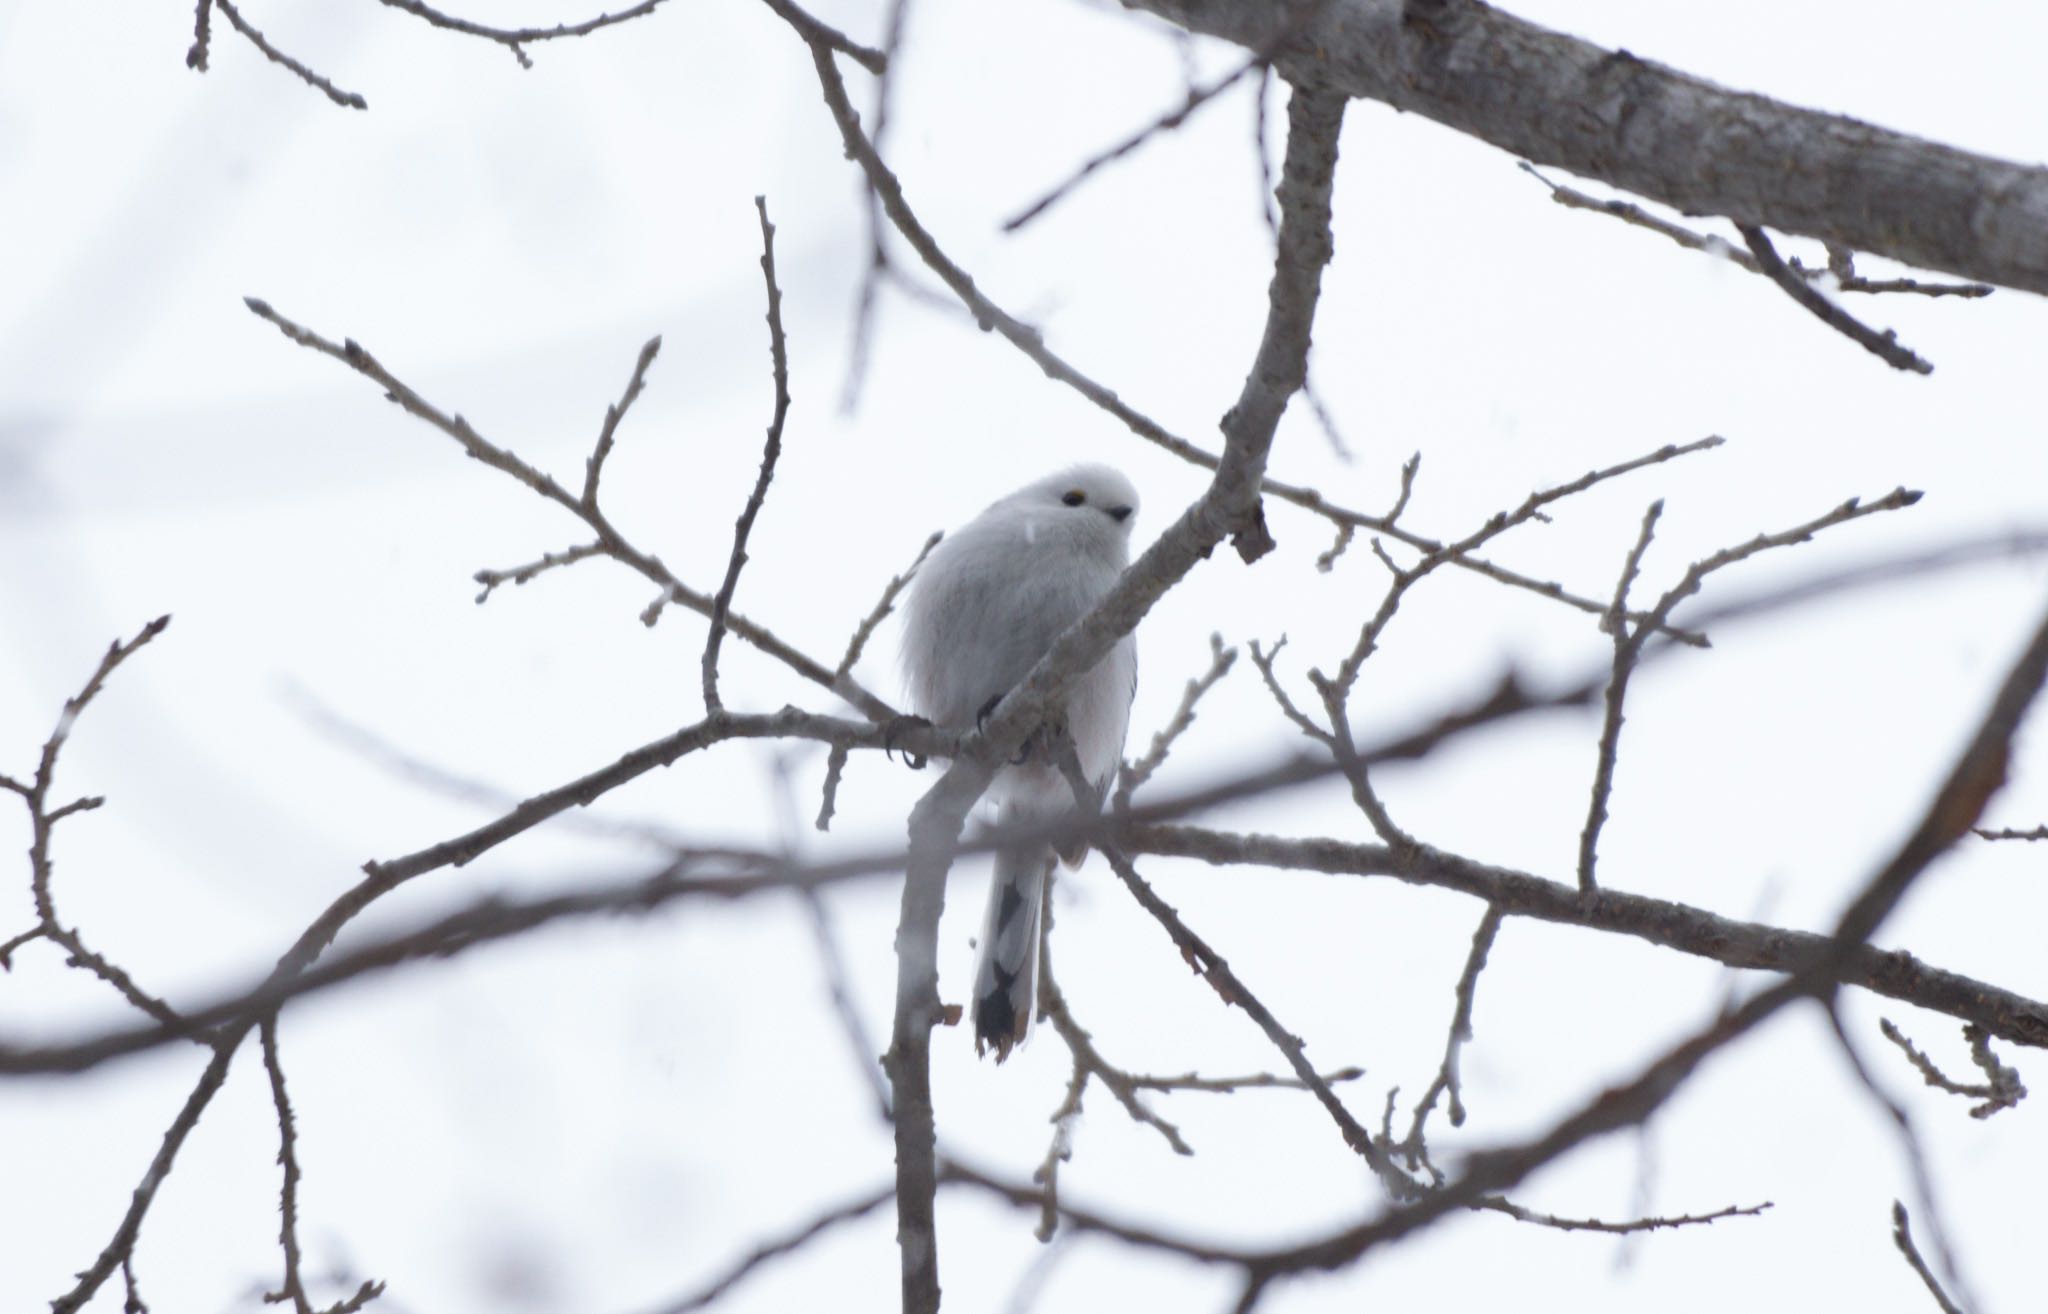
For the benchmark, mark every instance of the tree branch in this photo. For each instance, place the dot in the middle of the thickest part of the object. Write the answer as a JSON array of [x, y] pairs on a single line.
[[1658, 132]]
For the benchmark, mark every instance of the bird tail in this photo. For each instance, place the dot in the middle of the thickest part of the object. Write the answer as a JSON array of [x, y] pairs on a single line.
[[1006, 968]]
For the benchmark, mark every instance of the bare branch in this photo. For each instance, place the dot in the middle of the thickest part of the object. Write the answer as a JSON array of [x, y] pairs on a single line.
[[593, 466], [840, 988], [1028, 340], [1089, 1062], [1690, 930], [768, 1251], [1661, 133], [1460, 1032], [1972, 782], [818, 34], [778, 351], [43, 819], [1520, 1214], [516, 39], [1902, 1237], [828, 800], [202, 37], [1213, 969], [614, 543], [1264, 661], [1885, 346], [1628, 643], [1840, 266], [1197, 97], [122, 1247], [1902, 1123], [866, 629], [2002, 1089], [1626, 649], [1532, 508], [345, 99], [1136, 774], [291, 1289], [2037, 833], [867, 299], [1189, 1081], [492, 580]]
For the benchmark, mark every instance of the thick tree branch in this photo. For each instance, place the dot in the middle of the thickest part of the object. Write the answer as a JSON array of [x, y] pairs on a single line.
[[1659, 132], [1892, 973]]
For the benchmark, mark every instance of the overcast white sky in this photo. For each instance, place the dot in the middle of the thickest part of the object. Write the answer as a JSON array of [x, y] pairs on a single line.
[[597, 1119]]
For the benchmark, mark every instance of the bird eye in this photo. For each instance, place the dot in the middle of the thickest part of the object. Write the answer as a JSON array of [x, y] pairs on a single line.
[[1073, 497]]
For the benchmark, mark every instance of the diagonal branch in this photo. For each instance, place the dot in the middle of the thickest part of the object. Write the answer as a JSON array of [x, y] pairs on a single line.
[[1885, 346], [1659, 132], [888, 191], [1697, 931], [121, 1248], [345, 99], [789, 1243], [614, 544]]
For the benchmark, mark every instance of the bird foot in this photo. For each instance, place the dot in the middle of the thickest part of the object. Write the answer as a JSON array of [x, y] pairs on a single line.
[[895, 730]]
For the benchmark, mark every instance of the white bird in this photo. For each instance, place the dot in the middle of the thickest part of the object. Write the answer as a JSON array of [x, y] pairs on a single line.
[[985, 606]]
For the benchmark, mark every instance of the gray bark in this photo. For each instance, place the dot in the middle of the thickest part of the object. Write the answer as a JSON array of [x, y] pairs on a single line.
[[1638, 125]]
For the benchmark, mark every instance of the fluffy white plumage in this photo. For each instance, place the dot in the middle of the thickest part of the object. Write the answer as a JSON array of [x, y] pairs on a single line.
[[985, 606]]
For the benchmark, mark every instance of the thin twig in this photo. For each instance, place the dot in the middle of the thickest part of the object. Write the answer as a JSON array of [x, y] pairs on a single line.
[[1532, 508], [839, 987], [1627, 646], [789, 1243], [1885, 346], [615, 544], [202, 36], [1028, 340], [43, 819], [1460, 1032], [345, 99], [593, 465], [2037, 833], [122, 1246], [1263, 659], [492, 580], [1909, 1139], [883, 606], [1842, 271], [1841, 268], [1629, 641], [1196, 98], [1189, 1081], [291, 1289], [1136, 774], [2001, 1090], [1522, 1214], [516, 39], [1213, 969], [1902, 1237], [828, 799], [820, 34], [778, 352], [1089, 1062]]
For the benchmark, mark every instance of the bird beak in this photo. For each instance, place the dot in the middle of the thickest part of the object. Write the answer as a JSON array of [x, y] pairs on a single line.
[[1119, 513]]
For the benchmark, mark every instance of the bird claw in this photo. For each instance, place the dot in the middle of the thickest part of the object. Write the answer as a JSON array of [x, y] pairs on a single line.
[[895, 729]]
